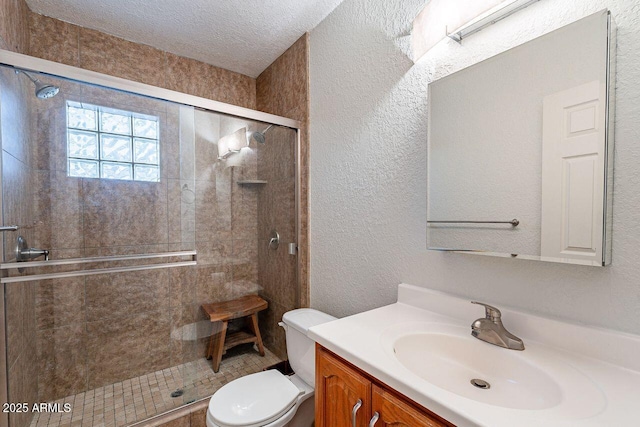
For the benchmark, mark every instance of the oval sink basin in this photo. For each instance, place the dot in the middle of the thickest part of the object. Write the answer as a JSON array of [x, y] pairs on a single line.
[[452, 362], [448, 357]]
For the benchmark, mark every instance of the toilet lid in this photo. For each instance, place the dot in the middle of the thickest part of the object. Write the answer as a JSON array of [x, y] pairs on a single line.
[[253, 400]]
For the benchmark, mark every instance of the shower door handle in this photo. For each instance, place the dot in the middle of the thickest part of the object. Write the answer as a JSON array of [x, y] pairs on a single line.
[[8, 228]]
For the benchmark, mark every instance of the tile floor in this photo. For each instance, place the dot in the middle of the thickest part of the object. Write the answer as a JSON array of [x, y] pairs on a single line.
[[136, 399]]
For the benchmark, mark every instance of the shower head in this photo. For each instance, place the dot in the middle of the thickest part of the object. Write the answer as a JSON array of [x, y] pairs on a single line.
[[43, 91], [259, 136]]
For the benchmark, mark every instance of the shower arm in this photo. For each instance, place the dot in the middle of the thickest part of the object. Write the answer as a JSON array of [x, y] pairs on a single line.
[[35, 81]]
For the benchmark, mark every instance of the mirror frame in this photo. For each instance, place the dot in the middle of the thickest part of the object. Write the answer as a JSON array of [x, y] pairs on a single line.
[[608, 155]]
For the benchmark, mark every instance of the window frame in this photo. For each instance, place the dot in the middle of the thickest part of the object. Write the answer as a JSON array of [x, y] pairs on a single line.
[[99, 134]]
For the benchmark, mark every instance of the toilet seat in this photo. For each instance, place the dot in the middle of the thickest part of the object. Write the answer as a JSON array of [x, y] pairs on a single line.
[[253, 400]]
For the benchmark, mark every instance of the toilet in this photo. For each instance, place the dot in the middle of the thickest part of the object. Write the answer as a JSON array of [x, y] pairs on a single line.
[[269, 398]]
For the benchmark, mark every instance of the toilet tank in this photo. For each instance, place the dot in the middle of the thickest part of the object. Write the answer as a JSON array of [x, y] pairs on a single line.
[[300, 348]]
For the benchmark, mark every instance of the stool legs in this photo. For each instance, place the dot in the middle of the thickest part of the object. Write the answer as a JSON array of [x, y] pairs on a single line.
[[216, 345], [253, 324], [215, 348], [212, 340]]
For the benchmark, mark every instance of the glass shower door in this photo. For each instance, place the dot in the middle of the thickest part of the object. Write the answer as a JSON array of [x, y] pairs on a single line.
[[100, 179], [244, 191], [123, 191]]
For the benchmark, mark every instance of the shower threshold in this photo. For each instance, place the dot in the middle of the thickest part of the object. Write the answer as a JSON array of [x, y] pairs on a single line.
[[136, 399]]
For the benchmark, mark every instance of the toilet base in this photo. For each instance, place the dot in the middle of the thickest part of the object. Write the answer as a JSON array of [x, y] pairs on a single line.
[[305, 415]]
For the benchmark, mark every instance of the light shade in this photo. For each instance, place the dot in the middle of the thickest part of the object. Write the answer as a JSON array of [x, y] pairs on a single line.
[[440, 17], [230, 144]]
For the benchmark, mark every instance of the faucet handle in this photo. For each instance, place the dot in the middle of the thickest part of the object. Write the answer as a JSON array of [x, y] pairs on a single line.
[[491, 312]]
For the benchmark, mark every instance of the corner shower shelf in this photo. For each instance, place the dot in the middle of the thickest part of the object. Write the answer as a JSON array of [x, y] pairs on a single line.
[[252, 182]]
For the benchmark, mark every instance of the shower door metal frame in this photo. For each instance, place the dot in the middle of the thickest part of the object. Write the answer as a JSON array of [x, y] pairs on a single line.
[[57, 70]]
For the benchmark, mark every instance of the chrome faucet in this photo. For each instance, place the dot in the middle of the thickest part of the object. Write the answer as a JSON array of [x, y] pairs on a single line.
[[490, 329]]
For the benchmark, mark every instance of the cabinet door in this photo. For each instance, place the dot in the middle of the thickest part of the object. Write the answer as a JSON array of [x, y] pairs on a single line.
[[338, 390], [397, 412]]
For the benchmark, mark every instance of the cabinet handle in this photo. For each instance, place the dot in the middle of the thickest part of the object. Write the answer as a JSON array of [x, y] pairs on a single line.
[[374, 419], [354, 411]]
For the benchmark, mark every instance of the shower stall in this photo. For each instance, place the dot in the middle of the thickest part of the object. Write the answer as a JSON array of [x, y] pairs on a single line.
[[125, 208]]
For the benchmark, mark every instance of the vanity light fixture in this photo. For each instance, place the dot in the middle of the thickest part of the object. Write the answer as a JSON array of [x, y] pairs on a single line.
[[438, 17], [496, 14], [232, 144]]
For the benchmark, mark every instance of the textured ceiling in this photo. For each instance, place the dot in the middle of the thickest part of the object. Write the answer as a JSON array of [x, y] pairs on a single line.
[[240, 35]]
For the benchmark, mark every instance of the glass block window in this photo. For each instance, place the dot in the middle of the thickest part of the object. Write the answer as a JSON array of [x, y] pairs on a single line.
[[112, 144]]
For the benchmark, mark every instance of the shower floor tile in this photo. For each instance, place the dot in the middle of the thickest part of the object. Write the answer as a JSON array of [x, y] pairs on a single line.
[[137, 399]]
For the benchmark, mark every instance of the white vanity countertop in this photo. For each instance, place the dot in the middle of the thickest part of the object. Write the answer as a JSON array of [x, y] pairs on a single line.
[[609, 360]]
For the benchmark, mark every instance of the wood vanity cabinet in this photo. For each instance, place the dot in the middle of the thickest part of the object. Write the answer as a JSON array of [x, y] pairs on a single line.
[[339, 388]]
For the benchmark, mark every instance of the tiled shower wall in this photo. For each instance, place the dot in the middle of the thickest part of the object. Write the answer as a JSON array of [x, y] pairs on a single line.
[[78, 322], [173, 302], [276, 211], [14, 25], [97, 330], [18, 210], [70, 44], [14, 36], [84, 324], [282, 89]]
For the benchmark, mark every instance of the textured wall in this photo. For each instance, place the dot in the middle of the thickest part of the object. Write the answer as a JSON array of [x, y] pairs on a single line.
[[73, 45], [368, 176]]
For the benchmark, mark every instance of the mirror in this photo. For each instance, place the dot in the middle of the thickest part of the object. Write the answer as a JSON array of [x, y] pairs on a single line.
[[527, 135]]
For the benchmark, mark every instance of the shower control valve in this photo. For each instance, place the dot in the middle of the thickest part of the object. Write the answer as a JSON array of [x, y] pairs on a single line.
[[274, 240], [25, 253]]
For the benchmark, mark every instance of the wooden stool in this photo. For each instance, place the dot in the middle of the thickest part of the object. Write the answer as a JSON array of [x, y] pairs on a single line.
[[220, 313]]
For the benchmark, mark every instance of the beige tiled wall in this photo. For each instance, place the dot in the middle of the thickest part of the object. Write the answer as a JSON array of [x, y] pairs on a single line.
[[20, 300], [220, 235], [96, 330], [276, 211], [14, 26], [15, 91], [282, 89], [82, 327], [81, 47], [101, 329]]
